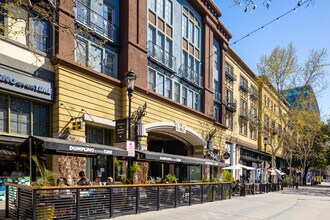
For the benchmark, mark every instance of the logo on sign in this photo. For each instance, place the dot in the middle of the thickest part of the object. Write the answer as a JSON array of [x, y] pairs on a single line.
[[179, 127], [130, 147]]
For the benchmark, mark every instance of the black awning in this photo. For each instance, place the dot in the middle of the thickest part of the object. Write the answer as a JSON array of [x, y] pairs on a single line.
[[172, 158], [60, 147]]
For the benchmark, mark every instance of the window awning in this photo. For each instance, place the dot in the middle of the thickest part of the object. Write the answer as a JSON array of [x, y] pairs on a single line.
[[60, 147], [172, 158]]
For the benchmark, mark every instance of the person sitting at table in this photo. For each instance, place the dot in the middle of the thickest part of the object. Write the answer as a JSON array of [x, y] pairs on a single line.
[[97, 181], [110, 181], [83, 180]]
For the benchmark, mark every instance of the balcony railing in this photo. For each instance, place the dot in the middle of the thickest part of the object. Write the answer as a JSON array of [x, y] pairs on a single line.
[[190, 75], [254, 94], [217, 96], [230, 75], [243, 113], [161, 56], [244, 87], [96, 22], [231, 105]]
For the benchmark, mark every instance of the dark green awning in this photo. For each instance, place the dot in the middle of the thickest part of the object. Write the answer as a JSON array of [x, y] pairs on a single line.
[[60, 146], [172, 158]]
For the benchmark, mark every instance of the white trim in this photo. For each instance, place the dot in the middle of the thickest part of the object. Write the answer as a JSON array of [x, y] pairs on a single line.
[[99, 120], [191, 136]]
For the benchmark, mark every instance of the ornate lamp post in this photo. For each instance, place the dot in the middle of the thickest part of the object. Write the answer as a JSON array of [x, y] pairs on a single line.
[[265, 146], [130, 82]]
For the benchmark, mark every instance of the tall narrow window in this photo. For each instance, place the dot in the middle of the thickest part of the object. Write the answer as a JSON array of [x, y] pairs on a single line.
[[3, 113], [191, 31], [177, 92], [109, 64], [41, 35], [196, 101], [190, 99], [160, 84], [40, 119], [168, 11], [108, 21], [2, 19], [95, 58], [184, 95], [168, 88], [185, 26], [151, 34], [160, 8], [196, 36], [20, 111], [152, 5], [152, 80], [81, 52]]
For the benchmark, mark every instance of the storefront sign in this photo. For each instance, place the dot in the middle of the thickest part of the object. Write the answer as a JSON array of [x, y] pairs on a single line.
[[170, 159], [130, 147], [82, 149], [226, 155], [179, 127], [211, 163], [121, 130], [24, 84]]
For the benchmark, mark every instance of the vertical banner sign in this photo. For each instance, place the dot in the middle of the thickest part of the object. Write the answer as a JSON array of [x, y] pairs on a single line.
[[121, 130], [130, 147]]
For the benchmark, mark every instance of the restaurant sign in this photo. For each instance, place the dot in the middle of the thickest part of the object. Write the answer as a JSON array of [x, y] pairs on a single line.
[[90, 150], [121, 130], [169, 159], [25, 84]]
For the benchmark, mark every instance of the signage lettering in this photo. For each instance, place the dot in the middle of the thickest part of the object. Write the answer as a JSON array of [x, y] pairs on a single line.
[[130, 147], [22, 85], [211, 163], [107, 152], [179, 127], [170, 159], [121, 130], [82, 149]]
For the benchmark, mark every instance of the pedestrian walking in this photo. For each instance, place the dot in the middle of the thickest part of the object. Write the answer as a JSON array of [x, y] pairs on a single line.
[[297, 181]]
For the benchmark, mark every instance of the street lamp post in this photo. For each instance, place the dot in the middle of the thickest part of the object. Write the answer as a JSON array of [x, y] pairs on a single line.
[[265, 146], [130, 82]]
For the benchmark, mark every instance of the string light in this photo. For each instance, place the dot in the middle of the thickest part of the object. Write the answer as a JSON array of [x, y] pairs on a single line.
[[300, 3]]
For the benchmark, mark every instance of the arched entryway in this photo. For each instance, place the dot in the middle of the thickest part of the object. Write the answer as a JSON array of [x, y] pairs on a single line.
[[176, 139]]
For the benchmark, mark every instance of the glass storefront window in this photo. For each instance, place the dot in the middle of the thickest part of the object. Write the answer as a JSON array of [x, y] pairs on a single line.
[[20, 115], [40, 119], [195, 173], [3, 113]]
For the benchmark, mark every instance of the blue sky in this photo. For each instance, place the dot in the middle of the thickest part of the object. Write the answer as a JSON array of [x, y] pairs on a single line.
[[307, 28]]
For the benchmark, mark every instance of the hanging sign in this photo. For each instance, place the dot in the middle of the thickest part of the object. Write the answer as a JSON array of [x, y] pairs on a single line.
[[130, 147], [226, 155], [121, 130]]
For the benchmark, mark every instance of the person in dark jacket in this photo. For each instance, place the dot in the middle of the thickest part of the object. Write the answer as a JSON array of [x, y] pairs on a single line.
[[83, 179]]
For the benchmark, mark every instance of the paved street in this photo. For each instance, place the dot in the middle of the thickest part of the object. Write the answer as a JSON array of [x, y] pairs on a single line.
[[305, 203]]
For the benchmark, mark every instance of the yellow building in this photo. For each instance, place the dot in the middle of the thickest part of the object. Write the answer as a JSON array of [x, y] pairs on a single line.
[[242, 103], [273, 113]]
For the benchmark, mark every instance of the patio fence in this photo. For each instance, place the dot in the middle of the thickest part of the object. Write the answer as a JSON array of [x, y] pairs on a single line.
[[96, 202]]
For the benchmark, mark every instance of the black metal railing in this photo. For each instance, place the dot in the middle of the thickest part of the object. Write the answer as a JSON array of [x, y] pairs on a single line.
[[190, 75], [161, 56], [254, 94], [231, 105], [244, 87], [99, 24], [230, 75], [243, 113], [96, 202], [256, 188]]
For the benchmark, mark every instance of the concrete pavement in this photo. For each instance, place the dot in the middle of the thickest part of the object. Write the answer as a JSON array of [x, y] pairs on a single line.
[[305, 203]]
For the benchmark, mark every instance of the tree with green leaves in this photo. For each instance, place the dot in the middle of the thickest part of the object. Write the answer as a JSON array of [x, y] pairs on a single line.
[[282, 71]]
